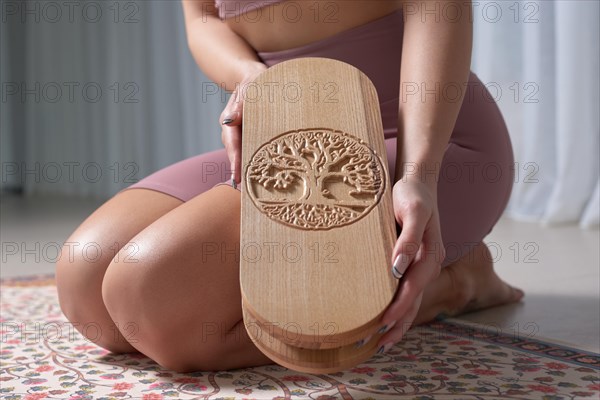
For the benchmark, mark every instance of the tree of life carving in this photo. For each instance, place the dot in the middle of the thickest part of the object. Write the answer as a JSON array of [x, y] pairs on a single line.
[[315, 178]]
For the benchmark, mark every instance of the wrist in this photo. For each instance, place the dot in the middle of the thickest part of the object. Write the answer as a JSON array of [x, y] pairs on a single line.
[[421, 172], [250, 69]]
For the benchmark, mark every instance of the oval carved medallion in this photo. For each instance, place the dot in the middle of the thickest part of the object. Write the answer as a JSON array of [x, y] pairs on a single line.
[[315, 178]]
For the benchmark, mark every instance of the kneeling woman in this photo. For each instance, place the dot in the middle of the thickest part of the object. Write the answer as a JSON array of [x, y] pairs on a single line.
[[160, 292]]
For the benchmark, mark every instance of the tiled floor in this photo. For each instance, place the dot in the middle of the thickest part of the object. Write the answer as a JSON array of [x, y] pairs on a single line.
[[557, 267]]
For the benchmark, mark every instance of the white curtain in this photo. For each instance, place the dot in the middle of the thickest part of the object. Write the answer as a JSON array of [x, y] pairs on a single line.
[[538, 58], [107, 92]]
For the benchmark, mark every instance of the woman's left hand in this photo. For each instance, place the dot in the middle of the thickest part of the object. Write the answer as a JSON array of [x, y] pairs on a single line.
[[417, 255]]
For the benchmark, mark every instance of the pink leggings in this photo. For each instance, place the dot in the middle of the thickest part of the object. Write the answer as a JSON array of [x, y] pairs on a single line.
[[477, 170]]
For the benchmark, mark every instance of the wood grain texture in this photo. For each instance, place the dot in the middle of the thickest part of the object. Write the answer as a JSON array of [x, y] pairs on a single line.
[[314, 361], [317, 226]]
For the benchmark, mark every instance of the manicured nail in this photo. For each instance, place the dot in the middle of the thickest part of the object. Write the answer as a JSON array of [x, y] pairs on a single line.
[[233, 183], [362, 342], [229, 118], [442, 316], [386, 328], [384, 348], [399, 266]]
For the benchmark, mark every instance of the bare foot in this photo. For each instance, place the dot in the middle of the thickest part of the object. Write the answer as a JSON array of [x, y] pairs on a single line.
[[467, 285]]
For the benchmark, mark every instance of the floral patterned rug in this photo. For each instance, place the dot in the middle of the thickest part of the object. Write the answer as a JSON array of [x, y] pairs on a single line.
[[41, 358]]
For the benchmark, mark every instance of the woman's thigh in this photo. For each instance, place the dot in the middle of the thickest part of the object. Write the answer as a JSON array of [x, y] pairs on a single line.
[[181, 297], [108, 231], [477, 172], [190, 177], [475, 176]]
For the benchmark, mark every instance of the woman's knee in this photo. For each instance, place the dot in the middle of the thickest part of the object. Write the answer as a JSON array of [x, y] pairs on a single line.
[[155, 325], [102, 237], [173, 284], [79, 281], [136, 293], [79, 272], [162, 305], [120, 292]]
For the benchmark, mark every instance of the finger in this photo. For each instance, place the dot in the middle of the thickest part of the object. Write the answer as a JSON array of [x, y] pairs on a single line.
[[412, 285], [400, 328], [413, 217], [232, 114], [407, 245], [421, 273], [425, 269], [237, 165], [232, 140]]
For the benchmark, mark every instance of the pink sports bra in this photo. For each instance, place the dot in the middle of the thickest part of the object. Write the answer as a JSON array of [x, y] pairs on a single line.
[[233, 8]]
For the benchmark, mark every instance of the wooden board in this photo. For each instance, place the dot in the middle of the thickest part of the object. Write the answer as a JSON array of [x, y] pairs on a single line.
[[313, 361], [317, 226]]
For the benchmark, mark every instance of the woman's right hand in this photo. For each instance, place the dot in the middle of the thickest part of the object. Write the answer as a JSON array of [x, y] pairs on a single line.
[[231, 119]]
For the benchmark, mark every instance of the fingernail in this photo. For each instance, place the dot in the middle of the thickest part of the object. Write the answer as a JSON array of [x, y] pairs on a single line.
[[384, 348], [229, 118], [442, 316], [386, 328], [399, 266], [233, 183], [362, 342]]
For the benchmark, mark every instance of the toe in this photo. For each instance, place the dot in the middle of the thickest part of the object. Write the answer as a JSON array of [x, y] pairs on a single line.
[[517, 294]]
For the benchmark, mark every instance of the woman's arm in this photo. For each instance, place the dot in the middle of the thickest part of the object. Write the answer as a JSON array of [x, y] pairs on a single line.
[[227, 60], [436, 55], [220, 53]]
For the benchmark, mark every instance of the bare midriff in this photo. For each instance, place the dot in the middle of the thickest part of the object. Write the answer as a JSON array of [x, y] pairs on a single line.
[[295, 23]]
